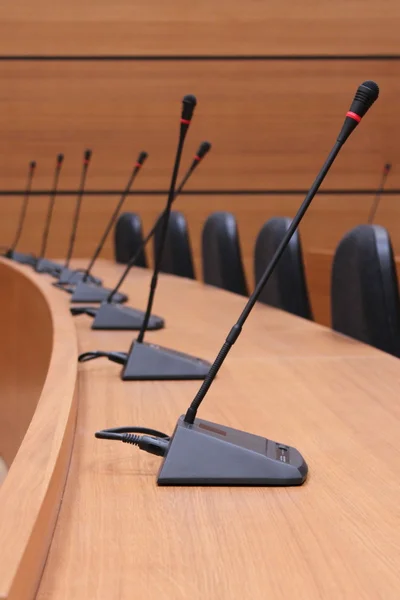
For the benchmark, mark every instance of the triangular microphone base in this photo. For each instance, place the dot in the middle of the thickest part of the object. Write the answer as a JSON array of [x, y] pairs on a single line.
[[20, 257], [69, 276], [208, 454], [117, 317], [148, 362], [48, 266], [87, 292]]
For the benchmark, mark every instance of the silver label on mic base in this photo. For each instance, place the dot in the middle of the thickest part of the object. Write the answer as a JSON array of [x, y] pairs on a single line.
[[282, 453]]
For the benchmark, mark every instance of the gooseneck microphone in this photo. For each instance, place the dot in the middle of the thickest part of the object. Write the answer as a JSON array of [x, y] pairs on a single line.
[[11, 252], [386, 170], [67, 275], [78, 205], [200, 154], [149, 361], [189, 103], [365, 96], [139, 163], [85, 291], [203, 453], [43, 265], [204, 148], [112, 315]]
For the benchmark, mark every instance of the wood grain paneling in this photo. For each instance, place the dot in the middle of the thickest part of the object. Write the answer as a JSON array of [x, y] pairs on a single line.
[[272, 124], [318, 266], [207, 27]]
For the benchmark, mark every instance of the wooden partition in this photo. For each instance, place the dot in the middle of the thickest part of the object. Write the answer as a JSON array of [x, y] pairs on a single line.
[[207, 27], [271, 123], [38, 362]]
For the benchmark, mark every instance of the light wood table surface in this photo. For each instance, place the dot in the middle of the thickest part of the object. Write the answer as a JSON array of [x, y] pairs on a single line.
[[118, 536]]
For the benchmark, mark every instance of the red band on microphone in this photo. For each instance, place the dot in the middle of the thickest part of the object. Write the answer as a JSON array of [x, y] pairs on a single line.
[[354, 116], [86, 162], [138, 165], [197, 158], [185, 121]]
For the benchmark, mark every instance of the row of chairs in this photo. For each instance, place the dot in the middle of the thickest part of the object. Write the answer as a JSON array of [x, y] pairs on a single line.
[[222, 258], [364, 290]]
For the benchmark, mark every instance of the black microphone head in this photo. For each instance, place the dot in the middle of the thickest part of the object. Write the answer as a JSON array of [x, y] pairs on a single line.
[[87, 156], [387, 168], [60, 158], [141, 158], [365, 96], [188, 105], [203, 149], [32, 165]]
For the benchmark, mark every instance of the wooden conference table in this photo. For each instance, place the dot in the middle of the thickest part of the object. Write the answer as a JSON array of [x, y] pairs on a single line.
[[118, 536]]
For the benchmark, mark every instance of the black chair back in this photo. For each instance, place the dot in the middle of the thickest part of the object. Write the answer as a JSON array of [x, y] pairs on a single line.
[[222, 258], [364, 289], [287, 287], [177, 257], [127, 239]]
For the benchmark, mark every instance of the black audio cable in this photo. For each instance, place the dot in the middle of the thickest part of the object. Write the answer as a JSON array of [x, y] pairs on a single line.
[[153, 441], [118, 357], [83, 310]]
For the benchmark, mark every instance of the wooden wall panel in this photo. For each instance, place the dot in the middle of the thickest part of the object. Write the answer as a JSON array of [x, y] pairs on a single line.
[[207, 27], [271, 123], [318, 266]]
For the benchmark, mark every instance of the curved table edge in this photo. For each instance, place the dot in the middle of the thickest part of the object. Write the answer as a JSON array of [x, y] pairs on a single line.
[[36, 492]]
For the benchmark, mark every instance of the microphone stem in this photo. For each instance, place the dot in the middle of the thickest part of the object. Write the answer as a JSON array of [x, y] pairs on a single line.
[[110, 224], [76, 216], [377, 199], [24, 209], [134, 258], [163, 235], [49, 213], [236, 329]]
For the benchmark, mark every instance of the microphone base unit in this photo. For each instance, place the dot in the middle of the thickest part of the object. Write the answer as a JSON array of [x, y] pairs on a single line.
[[207, 454], [149, 362], [71, 276], [47, 266], [113, 316], [20, 257], [87, 292]]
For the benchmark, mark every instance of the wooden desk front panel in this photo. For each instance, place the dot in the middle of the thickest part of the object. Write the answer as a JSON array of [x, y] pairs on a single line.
[[38, 364], [26, 333]]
